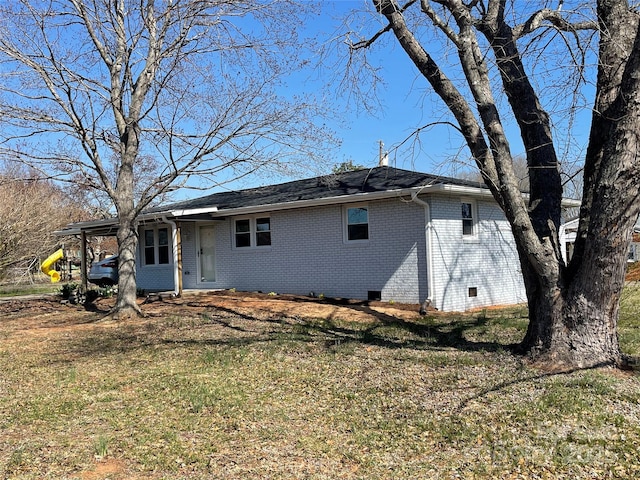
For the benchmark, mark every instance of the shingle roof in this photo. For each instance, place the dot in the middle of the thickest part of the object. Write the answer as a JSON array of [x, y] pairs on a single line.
[[378, 179]]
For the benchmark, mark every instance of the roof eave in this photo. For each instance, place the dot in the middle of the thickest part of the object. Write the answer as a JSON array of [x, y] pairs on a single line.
[[107, 226], [315, 202], [354, 198]]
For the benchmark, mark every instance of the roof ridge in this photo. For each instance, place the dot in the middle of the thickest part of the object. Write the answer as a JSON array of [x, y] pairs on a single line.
[[366, 180]]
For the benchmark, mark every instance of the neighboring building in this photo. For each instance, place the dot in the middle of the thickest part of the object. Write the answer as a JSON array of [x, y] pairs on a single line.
[[380, 233], [634, 249], [568, 233]]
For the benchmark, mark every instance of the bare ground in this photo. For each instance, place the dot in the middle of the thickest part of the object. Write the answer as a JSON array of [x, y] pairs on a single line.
[[41, 314], [292, 397]]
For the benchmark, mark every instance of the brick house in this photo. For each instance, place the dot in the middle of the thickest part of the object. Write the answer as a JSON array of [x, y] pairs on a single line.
[[380, 233], [568, 233]]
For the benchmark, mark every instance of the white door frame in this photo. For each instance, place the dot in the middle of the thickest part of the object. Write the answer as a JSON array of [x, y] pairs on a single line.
[[199, 280]]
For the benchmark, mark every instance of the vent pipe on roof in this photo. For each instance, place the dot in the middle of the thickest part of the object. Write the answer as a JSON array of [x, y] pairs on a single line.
[[383, 157]]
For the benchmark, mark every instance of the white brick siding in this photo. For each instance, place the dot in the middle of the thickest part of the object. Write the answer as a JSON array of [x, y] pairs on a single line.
[[488, 261], [308, 254]]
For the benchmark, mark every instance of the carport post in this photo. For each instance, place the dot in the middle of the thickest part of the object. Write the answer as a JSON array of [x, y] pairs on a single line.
[[83, 260]]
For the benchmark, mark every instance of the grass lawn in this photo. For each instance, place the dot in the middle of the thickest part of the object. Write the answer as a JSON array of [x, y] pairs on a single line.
[[28, 289], [213, 393]]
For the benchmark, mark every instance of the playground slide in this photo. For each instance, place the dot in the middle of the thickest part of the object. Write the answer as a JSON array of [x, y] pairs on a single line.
[[47, 265]]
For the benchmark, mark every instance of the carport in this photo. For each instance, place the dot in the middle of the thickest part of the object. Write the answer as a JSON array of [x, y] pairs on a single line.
[[82, 230]]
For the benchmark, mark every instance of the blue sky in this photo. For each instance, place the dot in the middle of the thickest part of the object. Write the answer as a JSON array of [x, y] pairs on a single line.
[[407, 103], [404, 102]]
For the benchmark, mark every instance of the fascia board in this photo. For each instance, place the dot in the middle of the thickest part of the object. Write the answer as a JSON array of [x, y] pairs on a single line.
[[482, 192], [571, 202], [193, 211], [159, 215], [461, 190], [316, 202]]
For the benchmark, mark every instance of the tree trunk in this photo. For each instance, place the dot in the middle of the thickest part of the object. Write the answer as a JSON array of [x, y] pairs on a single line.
[[573, 310], [570, 329], [573, 322], [126, 306]]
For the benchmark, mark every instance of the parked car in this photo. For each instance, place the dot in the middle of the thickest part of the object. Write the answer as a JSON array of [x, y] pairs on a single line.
[[105, 272]]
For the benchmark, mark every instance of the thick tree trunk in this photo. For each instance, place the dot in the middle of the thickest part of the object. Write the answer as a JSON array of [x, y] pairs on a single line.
[[573, 320], [126, 305], [569, 330]]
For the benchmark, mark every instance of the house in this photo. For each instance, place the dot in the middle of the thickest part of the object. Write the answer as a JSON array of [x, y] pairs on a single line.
[[569, 230], [380, 234]]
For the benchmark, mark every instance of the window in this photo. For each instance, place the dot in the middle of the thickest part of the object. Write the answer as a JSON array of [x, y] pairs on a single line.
[[357, 221], [243, 233], [263, 231], [156, 246], [467, 219], [252, 232]]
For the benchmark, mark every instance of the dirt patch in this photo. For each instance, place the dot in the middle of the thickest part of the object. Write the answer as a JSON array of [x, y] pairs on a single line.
[[633, 272], [39, 316], [104, 469], [261, 306], [293, 306]]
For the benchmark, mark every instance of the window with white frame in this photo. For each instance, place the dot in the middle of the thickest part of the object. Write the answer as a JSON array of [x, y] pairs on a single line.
[[156, 246], [468, 218], [252, 232], [243, 233], [356, 220], [263, 231]]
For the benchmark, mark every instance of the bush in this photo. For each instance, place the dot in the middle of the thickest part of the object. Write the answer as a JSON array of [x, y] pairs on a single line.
[[68, 289]]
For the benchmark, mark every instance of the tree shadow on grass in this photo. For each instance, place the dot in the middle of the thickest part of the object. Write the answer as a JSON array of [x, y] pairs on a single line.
[[200, 323], [229, 328], [535, 375], [387, 331], [429, 332]]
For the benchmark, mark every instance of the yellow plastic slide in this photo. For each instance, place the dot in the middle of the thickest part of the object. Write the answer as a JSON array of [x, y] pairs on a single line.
[[47, 265]]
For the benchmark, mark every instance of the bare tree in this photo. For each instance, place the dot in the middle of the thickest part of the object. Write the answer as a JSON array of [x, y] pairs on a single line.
[[31, 209], [138, 98], [520, 169], [573, 309]]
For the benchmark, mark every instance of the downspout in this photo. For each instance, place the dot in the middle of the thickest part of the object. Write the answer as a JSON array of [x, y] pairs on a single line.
[[562, 234], [176, 264], [431, 290]]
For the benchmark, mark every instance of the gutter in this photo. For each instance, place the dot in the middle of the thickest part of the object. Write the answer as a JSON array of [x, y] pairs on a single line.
[[431, 290], [106, 225]]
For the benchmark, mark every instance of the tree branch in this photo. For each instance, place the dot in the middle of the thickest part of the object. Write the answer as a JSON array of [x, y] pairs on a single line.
[[554, 18], [370, 41]]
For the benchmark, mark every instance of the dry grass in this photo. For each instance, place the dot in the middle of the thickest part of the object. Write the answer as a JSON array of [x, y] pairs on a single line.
[[256, 390], [633, 272]]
